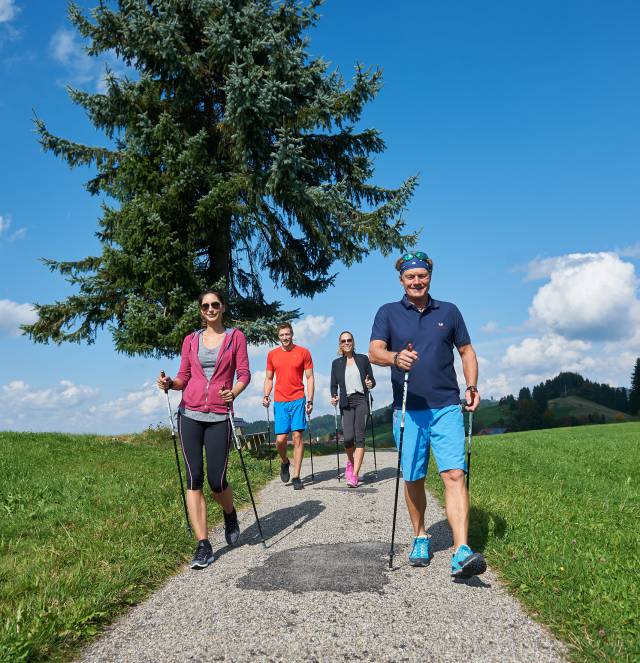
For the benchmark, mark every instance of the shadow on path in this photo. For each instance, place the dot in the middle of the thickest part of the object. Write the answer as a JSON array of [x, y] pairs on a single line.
[[324, 567], [369, 476], [276, 522]]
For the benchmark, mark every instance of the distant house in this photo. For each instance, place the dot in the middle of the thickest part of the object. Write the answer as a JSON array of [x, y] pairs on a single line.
[[491, 431]]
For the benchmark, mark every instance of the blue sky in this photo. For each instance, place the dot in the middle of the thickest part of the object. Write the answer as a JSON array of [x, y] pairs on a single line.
[[522, 122]]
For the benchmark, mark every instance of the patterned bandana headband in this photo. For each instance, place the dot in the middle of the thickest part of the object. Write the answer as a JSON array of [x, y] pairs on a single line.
[[418, 260]]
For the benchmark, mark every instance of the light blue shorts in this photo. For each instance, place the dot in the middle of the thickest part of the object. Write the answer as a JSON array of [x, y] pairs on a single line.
[[289, 416], [442, 429]]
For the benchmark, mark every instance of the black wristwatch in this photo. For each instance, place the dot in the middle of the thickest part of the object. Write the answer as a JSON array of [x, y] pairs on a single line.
[[472, 388]]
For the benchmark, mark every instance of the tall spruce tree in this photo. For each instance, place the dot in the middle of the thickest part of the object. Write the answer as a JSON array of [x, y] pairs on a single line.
[[230, 153], [634, 394]]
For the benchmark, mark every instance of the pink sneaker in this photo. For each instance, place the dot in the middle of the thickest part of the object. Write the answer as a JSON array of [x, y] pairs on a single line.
[[352, 481], [348, 472]]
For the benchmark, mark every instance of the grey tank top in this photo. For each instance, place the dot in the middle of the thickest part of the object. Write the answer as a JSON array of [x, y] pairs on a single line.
[[208, 359]]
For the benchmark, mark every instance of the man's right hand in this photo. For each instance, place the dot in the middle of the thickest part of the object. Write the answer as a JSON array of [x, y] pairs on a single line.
[[266, 401], [334, 400], [405, 359]]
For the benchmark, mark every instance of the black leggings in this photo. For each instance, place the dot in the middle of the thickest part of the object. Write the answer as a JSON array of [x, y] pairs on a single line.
[[354, 421], [215, 436]]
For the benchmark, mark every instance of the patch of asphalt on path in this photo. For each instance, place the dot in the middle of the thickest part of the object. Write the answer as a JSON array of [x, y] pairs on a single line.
[[322, 590]]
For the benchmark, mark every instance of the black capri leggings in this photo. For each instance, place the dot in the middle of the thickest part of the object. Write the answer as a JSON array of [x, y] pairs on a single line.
[[215, 437], [354, 421]]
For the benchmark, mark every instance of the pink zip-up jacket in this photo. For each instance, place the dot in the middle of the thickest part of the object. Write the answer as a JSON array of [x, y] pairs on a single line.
[[201, 394]]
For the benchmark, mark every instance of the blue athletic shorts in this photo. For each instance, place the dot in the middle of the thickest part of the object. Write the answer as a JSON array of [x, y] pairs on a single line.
[[289, 416], [442, 429]]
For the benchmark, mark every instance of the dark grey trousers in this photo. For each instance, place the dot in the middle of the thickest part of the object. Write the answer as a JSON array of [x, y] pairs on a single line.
[[354, 421]]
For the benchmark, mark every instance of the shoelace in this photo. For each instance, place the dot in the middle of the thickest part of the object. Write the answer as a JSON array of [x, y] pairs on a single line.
[[202, 552]]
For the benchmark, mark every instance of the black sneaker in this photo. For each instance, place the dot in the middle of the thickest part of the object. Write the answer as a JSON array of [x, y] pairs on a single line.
[[203, 555], [284, 472], [297, 484], [231, 528]]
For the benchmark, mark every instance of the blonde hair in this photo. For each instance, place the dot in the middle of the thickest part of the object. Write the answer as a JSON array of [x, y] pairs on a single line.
[[353, 347]]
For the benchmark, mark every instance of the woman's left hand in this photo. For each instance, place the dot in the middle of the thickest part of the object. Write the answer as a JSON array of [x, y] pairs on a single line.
[[227, 395], [368, 382]]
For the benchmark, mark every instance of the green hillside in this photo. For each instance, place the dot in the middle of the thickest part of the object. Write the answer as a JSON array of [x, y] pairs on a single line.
[[576, 406]]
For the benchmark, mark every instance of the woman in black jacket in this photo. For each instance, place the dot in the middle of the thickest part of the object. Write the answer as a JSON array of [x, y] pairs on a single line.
[[352, 373]]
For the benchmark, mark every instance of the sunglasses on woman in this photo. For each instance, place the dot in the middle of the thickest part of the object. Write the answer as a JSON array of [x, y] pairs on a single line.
[[346, 340], [214, 305]]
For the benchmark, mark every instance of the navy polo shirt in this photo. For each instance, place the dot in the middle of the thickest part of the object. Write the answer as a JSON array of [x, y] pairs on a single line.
[[433, 333]]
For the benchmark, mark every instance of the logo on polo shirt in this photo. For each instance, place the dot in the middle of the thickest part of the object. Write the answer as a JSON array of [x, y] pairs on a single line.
[[441, 324]]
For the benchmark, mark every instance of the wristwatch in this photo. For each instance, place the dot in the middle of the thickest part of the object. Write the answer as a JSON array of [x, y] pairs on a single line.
[[309, 402], [472, 388]]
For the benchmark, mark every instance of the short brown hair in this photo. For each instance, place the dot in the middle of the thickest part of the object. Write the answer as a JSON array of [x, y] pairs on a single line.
[[284, 325]]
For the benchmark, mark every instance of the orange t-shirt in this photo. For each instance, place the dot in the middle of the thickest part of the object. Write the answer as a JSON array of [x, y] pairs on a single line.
[[288, 368]]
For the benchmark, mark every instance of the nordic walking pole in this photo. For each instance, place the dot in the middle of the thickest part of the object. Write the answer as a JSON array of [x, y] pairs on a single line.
[[175, 448], [464, 404], [395, 501], [335, 416], [373, 436], [469, 449], [238, 446], [269, 435], [313, 477]]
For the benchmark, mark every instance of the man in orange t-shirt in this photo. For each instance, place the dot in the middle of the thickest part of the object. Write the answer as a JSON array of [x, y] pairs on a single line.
[[288, 363]]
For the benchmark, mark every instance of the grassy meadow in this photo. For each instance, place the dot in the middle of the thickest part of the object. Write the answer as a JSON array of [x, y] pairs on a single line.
[[557, 512], [88, 526]]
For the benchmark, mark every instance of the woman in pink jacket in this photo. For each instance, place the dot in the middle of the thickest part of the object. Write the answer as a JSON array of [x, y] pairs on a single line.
[[210, 358]]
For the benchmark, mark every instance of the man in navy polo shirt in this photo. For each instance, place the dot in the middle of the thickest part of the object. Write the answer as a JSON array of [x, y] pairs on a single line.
[[433, 415]]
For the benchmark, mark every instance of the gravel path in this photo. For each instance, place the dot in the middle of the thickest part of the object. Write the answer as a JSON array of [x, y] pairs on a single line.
[[322, 590]]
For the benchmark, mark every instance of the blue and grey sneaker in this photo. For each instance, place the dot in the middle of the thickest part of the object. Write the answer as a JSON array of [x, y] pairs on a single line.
[[419, 555], [465, 563], [203, 555]]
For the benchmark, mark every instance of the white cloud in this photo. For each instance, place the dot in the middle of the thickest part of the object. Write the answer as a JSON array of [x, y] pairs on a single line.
[[12, 315], [589, 296], [142, 404], [630, 251], [489, 327], [5, 223], [20, 398], [8, 10], [312, 328], [68, 50], [21, 233], [548, 354], [69, 407]]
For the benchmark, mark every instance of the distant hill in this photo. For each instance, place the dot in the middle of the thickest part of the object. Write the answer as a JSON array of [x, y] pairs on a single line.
[[575, 406]]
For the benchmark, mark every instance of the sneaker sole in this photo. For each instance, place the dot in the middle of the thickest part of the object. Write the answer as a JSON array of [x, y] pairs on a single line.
[[420, 561], [472, 567], [199, 565]]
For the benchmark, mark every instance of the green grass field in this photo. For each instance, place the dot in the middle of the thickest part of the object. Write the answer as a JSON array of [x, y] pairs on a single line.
[[558, 512], [88, 526]]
